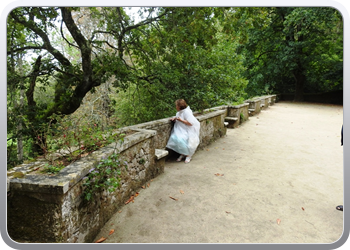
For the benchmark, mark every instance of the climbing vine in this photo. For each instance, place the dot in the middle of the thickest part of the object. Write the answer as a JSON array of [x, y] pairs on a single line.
[[105, 176]]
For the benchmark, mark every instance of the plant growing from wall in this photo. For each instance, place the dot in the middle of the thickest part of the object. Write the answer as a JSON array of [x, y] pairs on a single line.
[[242, 117], [52, 169], [64, 140], [105, 176]]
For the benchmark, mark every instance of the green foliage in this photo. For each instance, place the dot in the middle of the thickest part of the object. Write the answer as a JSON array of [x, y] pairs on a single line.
[[106, 176], [52, 169], [242, 118], [291, 50], [190, 57], [170, 53], [64, 140]]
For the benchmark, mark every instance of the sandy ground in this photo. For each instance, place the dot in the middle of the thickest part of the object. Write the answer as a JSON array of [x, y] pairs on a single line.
[[275, 179]]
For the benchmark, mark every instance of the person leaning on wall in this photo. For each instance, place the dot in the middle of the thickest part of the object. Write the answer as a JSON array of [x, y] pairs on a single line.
[[184, 137], [340, 207]]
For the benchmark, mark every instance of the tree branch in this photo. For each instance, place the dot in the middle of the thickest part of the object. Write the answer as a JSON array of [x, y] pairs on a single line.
[[266, 52], [47, 44], [24, 48], [65, 37], [85, 49]]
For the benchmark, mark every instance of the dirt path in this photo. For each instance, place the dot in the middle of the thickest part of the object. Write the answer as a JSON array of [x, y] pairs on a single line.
[[275, 179]]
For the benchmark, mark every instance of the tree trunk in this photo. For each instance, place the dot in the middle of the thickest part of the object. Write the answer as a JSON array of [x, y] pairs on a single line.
[[20, 107], [299, 86], [19, 130], [31, 106], [299, 94]]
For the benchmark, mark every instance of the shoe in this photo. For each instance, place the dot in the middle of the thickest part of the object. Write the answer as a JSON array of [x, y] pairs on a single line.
[[340, 207], [188, 159], [180, 158]]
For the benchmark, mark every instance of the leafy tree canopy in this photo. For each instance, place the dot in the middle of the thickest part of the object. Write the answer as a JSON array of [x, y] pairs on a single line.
[[169, 53], [291, 49]]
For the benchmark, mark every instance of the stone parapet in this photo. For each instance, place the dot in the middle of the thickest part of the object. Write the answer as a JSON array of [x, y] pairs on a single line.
[[54, 198], [51, 208], [240, 114], [254, 106]]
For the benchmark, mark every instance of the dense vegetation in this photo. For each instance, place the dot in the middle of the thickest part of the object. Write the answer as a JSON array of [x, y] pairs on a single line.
[[73, 74]]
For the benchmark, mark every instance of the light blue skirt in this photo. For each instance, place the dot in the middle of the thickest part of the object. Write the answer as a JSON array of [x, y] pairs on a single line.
[[178, 144]]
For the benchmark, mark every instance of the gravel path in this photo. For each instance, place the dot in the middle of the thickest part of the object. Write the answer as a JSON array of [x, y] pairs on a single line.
[[275, 179]]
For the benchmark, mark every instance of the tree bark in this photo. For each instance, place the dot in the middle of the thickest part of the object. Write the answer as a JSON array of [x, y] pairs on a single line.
[[30, 90], [32, 104], [20, 106]]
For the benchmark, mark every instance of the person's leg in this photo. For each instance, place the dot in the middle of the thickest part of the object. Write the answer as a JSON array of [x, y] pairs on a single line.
[[180, 158]]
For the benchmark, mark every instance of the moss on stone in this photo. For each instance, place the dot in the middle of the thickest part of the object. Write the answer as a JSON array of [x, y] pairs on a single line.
[[18, 175]]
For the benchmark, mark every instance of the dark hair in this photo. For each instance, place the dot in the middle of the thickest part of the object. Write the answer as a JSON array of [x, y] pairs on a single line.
[[181, 104]]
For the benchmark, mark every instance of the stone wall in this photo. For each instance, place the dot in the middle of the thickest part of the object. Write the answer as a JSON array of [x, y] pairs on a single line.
[[239, 112], [254, 106], [211, 122], [43, 208]]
